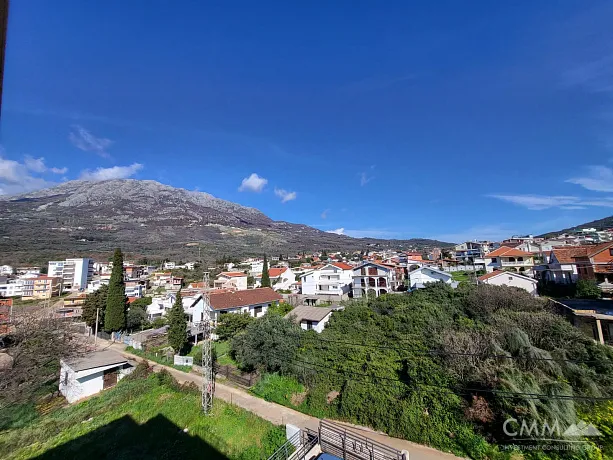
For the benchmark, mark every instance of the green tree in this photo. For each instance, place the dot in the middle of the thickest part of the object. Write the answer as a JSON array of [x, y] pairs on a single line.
[[116, 302], [94, 301], [250, 280], [279, 308], [269, 343], [136, 317], [265, 275], [588, 289], [142, 302], [231, 324], [177, 332]]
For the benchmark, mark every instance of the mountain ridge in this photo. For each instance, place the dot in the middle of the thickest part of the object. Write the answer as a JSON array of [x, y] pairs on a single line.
[[145, 217], [599, 224]]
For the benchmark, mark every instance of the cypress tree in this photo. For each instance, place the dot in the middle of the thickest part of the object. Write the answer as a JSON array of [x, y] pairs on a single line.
[[116, 301], [177, 331], [265, 275]]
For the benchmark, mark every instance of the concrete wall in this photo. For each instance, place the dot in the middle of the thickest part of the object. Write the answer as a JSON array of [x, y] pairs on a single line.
[[514, 281], [317, 326], [78, 385]]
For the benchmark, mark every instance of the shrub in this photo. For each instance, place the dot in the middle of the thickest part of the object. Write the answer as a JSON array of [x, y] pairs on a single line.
[[588, 289]]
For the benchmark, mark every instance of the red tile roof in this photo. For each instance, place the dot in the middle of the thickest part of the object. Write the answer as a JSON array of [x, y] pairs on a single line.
[[276, 272], [343, 266], [196, 285], [233, 274], [504, 251], [593, 250], [231, 300], [567, 255], [490, 275]]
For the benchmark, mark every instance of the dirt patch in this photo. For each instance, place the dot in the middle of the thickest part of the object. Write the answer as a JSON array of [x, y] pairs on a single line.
[[298, 398], [332, 396]]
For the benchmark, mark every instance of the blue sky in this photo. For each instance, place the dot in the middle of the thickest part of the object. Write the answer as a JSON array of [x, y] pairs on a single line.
[[451, 120]]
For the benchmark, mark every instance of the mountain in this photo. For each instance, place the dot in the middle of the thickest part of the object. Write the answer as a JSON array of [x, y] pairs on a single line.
[[146, 218], [600, 224]]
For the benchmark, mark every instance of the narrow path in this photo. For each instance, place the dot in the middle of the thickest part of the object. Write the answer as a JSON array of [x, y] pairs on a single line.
[[280, 415]]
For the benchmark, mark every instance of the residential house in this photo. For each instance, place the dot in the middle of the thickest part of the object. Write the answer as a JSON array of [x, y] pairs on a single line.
[[42, 287], [254, 302], [6, 270], [96, 284], [75, 273], [506, 258], [311, 318], [169, 266], [76, 299], [419, 277], [190, 265], [594, 317], [11, 288], [509, 278], [133, 271], [28, 271], [135, 289], [373, 279], [231, 280], [92, 373], [331, 279], [597, 263], [280, 278], [162, 279], [562, 267], [159, 306], [176, 283]]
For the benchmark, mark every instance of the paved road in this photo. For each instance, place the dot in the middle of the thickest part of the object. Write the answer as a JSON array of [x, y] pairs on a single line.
[[281, 415]]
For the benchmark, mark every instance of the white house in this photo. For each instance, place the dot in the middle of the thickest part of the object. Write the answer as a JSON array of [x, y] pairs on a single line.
[[508, 278], [12, 288], [419, 277], [510, 259], [311, 318], [373, 280], [231, 280], [92, 373], [333, 279], [6, 270], [280, 278], [135, 290], [254, 302], [169, 266]]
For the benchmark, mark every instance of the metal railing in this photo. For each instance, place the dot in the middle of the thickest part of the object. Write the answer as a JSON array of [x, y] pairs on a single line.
[[287, 449]]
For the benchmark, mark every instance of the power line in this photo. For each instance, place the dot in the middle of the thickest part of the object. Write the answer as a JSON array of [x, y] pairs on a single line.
[[432, 352], [457, 390]]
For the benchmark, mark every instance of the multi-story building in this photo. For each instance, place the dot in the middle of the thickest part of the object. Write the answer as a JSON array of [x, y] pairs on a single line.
[[6, 270], [75, 273], [506, 258], [42, 287], [11, 288], [280, 278], [231, 280], [331, 279], [372, 280]]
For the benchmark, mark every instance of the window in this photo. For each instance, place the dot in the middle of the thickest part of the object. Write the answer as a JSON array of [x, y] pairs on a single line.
[[494, 260], [309, 325], [372, 271], [257, 311], [66, 378], [510, 278], [611, 251]]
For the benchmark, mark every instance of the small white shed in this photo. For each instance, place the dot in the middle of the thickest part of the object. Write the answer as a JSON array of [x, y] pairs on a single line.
[[308, 318], [92, 373], [508, 278], [421, 276]]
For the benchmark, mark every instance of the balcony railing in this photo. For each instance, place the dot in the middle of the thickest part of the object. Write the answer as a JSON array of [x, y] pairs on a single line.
[[521, 263]]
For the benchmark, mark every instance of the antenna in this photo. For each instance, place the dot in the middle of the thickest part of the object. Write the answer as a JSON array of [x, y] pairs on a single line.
[[208, 380]]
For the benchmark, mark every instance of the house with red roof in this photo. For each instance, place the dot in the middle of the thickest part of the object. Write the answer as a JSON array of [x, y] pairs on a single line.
[[569, 264], [280, 278], [510, 278], [331, 279], [510, 259], [254, 302], [231, 280]]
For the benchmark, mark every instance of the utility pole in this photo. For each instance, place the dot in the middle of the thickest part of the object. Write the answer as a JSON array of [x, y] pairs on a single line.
[[96, 333], [208, 375]]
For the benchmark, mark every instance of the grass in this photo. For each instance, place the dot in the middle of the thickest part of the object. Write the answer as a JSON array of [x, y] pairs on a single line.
[[222, 349], [158, 359], [144, 418], [461, 276]]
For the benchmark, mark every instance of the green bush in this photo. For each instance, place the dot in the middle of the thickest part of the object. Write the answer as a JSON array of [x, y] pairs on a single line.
[[277, 388], [588, 289]]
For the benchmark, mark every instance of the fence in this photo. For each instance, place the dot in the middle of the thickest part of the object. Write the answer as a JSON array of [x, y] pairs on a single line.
[[336, 440], [232, 374]]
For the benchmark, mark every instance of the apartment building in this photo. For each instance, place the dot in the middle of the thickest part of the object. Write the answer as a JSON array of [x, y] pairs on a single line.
[[11, 288], [372, 280], [331, 279], [506, 258], [42, 287], [231, 280], [75, 273]]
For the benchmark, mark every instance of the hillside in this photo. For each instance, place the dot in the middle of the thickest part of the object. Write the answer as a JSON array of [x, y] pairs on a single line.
[[147, 218], [600, 224]]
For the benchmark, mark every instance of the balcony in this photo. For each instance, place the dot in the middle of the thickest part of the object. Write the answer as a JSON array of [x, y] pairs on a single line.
[[517, 263]]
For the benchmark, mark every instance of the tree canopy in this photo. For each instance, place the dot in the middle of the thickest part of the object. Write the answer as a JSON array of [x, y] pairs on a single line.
[[231, 324], [94, 301], [265, 274], [116, 301], [177, 331]]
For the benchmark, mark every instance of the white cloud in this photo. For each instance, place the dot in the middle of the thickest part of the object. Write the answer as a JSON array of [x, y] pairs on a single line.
[[35, 164], [86, 141], [599, 179], [116, 172], [63, 170], [324, 214], [540, 202], [338, 231], [16, 178], [364, 179], [285, 195], [253, 183]]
